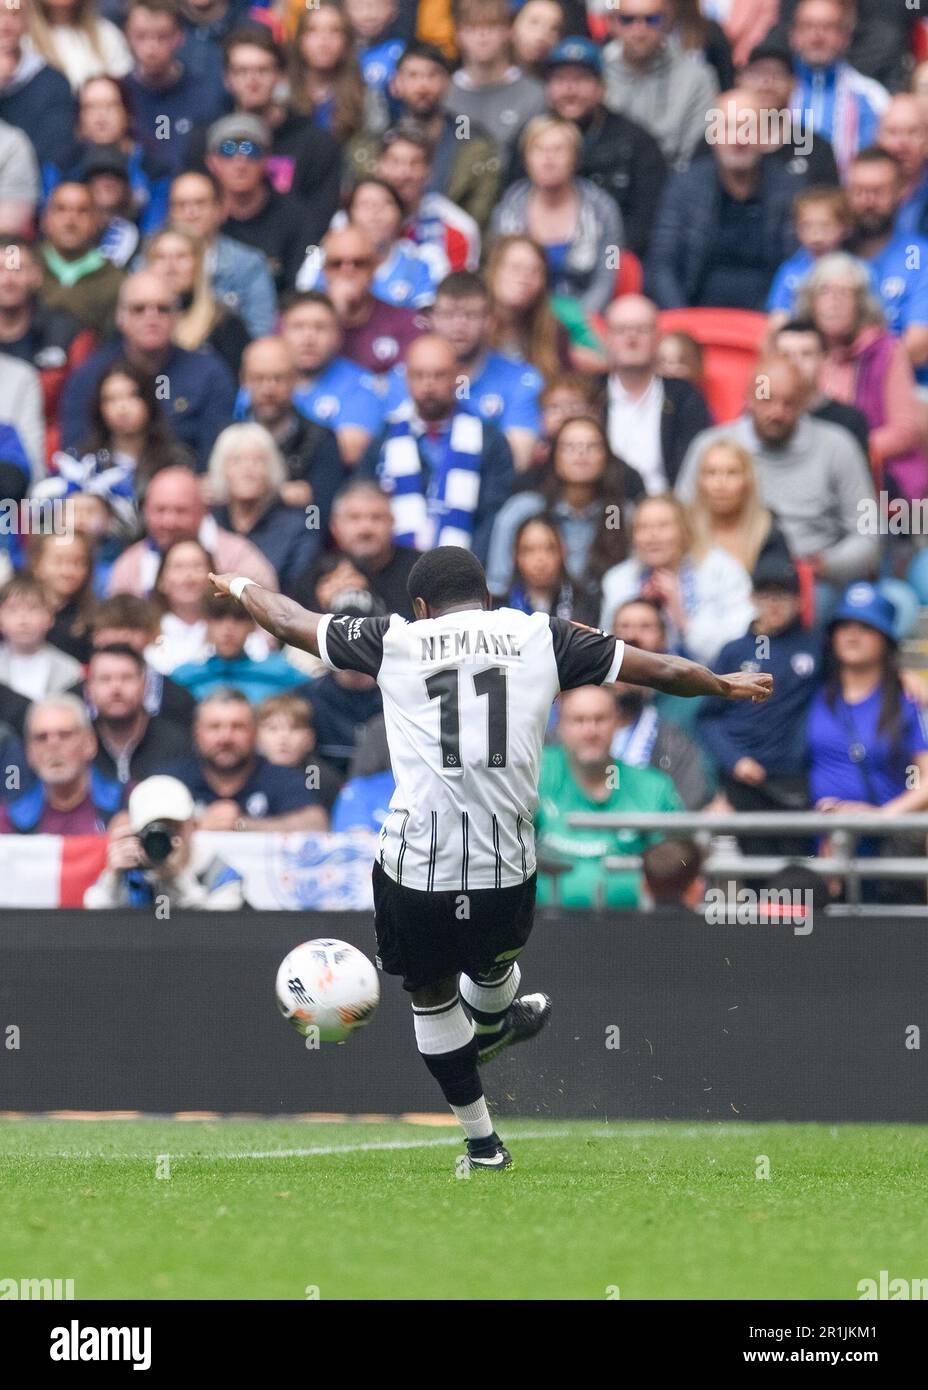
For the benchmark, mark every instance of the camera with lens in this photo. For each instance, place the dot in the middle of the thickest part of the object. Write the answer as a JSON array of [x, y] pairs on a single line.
[[160, 808], [157, 840]]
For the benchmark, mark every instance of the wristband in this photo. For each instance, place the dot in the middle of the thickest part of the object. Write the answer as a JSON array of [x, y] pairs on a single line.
[[237, 587]]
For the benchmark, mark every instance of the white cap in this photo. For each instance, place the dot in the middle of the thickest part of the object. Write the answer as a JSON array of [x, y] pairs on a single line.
[[159, 798]]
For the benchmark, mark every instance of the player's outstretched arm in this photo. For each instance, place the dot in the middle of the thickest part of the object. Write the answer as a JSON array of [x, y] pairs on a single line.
[[289, 622], [673, 675]]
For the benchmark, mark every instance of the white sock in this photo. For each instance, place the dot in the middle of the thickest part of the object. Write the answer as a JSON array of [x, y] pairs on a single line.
[[475, 1119], [489, 1000], [442, 1028]]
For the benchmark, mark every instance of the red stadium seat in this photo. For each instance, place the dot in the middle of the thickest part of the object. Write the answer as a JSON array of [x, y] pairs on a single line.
[[806, 593], [629, 278], [920, 41], [731, 340]]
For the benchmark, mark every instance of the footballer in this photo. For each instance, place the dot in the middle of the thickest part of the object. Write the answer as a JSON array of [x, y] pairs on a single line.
[[467, 693]]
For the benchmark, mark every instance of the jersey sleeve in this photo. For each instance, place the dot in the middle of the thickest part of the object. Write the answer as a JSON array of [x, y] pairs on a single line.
[[363, 407], [352, 644], [584, 655]]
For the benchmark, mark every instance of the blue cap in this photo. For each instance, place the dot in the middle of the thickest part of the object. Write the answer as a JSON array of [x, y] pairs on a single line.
[[582, 53], [862, 603]]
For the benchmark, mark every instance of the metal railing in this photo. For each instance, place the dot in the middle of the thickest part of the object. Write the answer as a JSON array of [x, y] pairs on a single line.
[[718, 833]]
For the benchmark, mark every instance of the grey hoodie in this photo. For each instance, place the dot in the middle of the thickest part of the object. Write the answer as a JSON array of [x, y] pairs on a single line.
[[19, 173], [670, 99]]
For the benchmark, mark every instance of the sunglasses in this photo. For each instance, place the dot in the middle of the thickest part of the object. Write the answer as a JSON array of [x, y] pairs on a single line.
[[653, 21], [162, 309], [230, 148], [347, 262]]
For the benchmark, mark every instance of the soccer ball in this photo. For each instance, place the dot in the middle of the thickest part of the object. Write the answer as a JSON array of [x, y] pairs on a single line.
[[329, 986]]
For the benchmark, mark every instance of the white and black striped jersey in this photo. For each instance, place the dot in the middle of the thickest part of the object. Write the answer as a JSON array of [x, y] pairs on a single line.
[[466, 701]]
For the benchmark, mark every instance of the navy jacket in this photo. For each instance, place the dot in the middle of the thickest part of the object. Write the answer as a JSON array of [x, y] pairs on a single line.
[[282, 536], [44, 108], [776, 739], [686, 229], [199, 406], [164, 117], [339, 716]]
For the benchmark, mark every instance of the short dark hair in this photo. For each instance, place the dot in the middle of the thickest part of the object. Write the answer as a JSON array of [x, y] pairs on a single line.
[[803, 326], [297, 298], [671, 867], [25, 586], [462, 284], [223, 695], [408, 131], [642, 601], [127, 611], [255, 35], [366, 182], [119, 649], [416, 48], [206, 174], [353, 486], [875, 154], [168, 7], [224, 606], [445, 576]]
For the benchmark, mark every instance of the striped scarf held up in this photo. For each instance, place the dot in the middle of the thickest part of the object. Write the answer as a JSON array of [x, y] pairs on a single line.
[[435, 508]]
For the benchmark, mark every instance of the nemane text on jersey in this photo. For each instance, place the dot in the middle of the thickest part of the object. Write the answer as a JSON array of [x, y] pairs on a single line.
[[448, 646]]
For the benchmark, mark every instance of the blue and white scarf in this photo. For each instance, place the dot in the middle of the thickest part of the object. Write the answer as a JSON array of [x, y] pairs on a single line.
[[438, 509], [635, 743], [110, 476]]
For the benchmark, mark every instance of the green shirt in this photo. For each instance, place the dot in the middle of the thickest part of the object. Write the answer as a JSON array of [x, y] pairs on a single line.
[[588, 884]]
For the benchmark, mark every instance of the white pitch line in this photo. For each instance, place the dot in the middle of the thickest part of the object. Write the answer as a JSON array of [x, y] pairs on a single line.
[[325, 1150], [317, 1151]]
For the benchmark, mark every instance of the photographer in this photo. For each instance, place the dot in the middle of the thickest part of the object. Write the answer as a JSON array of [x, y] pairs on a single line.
[[151, 856]]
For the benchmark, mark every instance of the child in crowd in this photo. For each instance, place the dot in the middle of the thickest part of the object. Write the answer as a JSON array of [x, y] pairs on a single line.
[[680, 357], [29, 664], [287, 738], [228, 627], [823, 224]]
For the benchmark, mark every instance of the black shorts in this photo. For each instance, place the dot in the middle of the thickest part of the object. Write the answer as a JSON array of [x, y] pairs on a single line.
[[426, 938]]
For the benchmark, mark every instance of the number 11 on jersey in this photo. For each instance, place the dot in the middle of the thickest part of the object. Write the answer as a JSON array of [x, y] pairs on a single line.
[[444, 686]]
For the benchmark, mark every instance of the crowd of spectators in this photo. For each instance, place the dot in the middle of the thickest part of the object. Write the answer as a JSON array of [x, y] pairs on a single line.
[[301, 290]]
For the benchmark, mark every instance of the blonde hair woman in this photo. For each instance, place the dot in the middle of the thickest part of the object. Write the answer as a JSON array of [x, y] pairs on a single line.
[[246, 473], [72, 37], [577, 225], [727, 510], [178, 257], [705, 598]]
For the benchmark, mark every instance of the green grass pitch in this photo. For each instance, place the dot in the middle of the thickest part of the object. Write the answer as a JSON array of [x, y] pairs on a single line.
[[267, 1209]]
